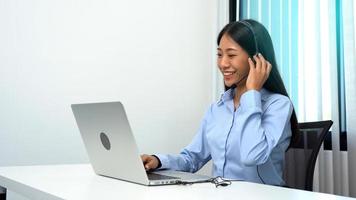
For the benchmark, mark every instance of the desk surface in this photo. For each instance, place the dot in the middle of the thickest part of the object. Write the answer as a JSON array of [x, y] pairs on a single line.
[[80, 182]]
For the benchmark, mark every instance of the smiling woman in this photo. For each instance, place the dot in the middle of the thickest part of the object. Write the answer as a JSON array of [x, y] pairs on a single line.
[[250, 39], [248, 130]]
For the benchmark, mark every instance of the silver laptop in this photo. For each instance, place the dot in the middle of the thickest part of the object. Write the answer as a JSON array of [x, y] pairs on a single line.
[[112, 149]]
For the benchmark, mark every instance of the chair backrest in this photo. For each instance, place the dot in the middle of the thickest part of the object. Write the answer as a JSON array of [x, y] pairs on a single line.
[[301, 156], [2, 193]]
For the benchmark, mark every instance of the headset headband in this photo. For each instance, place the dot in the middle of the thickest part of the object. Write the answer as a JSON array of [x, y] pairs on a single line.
[[249, 26]]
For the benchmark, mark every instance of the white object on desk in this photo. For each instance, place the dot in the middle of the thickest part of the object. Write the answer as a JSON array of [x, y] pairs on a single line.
[[53, 182]]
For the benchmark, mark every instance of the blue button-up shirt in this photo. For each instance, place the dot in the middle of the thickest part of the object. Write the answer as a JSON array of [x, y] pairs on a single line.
[[244, 144]]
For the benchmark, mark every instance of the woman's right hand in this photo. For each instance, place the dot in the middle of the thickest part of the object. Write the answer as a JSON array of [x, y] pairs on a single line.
[[150, 162], [259, 72]]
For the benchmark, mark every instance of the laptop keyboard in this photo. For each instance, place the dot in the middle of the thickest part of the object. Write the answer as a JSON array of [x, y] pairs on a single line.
[[153, 176]]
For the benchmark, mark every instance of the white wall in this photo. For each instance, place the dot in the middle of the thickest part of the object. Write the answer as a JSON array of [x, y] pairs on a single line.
[[155, 56]]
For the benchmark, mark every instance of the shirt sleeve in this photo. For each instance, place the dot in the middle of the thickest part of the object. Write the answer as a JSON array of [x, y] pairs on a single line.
[[261, 131], [191, 158]]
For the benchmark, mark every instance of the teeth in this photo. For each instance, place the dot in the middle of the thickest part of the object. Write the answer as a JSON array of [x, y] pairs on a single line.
[[228, 73]]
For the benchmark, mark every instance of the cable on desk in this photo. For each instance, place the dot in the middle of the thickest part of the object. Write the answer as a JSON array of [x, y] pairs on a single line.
[[218, 181]]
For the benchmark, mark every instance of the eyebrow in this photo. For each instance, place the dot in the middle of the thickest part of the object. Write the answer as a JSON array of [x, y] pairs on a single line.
[[228, 49]]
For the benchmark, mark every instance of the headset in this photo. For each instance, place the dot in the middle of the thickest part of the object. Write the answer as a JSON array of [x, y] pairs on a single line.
[[250, 28]]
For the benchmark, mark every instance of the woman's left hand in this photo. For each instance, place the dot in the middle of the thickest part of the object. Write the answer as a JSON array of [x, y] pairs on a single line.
[[259, 72]]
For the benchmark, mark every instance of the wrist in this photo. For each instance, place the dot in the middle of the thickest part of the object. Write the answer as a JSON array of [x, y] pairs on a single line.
[[253, 87], [159, 162]]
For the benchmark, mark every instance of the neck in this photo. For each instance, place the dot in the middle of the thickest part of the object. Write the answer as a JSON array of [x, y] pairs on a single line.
[[239, 90]]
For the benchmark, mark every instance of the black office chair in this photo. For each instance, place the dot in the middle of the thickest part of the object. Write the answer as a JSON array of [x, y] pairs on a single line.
[[300, 158], [2, 193]]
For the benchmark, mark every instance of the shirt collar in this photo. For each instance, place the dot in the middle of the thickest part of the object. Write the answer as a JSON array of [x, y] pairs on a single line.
[[229, 95]]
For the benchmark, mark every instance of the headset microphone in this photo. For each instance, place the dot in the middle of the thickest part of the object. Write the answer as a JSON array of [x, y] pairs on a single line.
[[243, 78], [250, 28]]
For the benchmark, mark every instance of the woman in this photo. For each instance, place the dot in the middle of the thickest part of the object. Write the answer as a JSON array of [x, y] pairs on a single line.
[[246, 132]]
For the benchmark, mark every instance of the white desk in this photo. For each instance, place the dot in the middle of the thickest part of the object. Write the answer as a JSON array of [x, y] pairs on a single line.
[[80, 182]]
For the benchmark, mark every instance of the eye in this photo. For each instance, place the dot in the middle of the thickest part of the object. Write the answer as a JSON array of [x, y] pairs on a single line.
[[231, 55], [219, 55]]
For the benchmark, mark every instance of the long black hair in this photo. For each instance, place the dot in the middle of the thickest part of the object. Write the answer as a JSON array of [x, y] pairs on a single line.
[[254, 38]]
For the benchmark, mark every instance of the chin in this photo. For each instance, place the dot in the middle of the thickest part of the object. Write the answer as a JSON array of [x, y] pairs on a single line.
[[229, 84]]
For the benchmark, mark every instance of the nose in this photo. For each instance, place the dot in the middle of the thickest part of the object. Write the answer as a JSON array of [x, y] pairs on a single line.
[[223, 62]]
